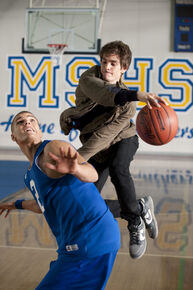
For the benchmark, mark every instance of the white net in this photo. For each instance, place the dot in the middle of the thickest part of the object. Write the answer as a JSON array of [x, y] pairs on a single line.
[[56, 51]]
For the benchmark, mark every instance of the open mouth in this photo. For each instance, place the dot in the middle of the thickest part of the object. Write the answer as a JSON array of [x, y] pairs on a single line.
[[29, 130]]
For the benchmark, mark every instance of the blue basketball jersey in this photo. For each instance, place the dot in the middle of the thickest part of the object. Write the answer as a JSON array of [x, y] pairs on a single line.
[[76, 213]]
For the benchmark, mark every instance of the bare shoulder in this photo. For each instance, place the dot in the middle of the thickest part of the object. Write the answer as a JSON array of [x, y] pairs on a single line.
[[54, 148], [55, 145]]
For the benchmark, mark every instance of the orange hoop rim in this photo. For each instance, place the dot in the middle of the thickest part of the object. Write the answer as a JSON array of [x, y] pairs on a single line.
[[57, 45]]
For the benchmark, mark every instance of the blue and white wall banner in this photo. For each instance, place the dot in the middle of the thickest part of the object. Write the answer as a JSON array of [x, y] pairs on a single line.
[[46, 88]]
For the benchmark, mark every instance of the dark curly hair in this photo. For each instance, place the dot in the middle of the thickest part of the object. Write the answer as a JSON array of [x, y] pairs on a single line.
[[119, 48]]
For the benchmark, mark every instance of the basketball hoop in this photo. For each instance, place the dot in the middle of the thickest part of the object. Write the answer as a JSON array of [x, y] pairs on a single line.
[[56, 50]]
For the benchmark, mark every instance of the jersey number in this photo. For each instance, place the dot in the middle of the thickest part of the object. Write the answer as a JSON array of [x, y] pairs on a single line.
[[33, 187]]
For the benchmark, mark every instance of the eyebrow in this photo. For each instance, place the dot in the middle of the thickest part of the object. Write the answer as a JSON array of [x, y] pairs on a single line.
[[104, 59], [20, 117]]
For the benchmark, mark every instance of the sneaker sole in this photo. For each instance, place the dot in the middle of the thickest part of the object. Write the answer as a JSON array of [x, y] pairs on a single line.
[[145, 245], [138, 257], [151, 206]]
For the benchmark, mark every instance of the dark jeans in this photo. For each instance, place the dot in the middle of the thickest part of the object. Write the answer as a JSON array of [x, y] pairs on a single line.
[[118, 168]]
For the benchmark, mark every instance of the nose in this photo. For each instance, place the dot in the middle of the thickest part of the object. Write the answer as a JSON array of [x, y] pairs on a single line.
[[108, 66], [27, 122]]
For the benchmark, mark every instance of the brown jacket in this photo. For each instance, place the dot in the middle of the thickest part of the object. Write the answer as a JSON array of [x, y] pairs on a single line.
[[106, 129]]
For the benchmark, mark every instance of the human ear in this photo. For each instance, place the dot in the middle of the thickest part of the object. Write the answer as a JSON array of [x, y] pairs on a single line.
[[123, 70], [13, 138]]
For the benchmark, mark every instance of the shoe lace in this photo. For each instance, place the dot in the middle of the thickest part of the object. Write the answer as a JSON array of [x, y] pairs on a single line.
[[134, 237]]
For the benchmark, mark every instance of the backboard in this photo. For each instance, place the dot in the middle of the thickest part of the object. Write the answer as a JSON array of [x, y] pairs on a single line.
[[74, 25]]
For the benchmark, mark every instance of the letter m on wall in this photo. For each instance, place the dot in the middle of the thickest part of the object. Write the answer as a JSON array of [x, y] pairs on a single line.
[[22, 77]]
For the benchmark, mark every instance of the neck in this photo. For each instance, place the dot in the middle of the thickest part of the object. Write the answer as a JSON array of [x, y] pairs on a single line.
[[30, 149]]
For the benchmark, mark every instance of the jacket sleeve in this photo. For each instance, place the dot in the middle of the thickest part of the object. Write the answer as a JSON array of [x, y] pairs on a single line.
[[96, 89], [104, 137]]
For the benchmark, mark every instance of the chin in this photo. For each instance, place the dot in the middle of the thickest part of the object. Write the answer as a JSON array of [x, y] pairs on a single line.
[[109, 80]]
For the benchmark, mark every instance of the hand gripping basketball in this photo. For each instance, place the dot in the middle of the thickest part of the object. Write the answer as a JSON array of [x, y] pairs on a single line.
[[157, 126]]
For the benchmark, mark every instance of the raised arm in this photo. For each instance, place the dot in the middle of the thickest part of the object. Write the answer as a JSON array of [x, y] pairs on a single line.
[[60, 158]]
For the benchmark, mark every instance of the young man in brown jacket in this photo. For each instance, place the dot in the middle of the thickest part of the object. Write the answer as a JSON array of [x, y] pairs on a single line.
[[103, 114]]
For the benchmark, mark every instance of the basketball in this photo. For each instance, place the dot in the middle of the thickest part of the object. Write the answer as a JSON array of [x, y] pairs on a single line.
[[157, 126]]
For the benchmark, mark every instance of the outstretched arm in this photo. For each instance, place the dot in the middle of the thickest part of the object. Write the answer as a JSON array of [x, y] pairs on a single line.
[[60, 158], [26, 204], [151, 99]]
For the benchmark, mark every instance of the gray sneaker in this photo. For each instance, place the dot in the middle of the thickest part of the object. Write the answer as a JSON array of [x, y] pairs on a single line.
[[137, 245], [148, 216]]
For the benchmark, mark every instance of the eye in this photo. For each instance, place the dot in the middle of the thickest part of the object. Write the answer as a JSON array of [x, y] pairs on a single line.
[[19, 122]]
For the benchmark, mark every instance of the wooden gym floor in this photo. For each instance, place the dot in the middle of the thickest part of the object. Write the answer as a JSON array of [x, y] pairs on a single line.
[[27, 246]]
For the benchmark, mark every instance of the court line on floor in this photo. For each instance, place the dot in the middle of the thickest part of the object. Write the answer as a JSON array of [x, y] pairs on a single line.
[[29, 248], [119, 253], [160, 255]]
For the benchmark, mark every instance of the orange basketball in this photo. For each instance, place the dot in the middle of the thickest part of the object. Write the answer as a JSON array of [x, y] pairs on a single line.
[[157, 126]]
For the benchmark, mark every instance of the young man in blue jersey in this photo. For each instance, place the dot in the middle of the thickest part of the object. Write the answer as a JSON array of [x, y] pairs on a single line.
[[61, 183], [103, 114]]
